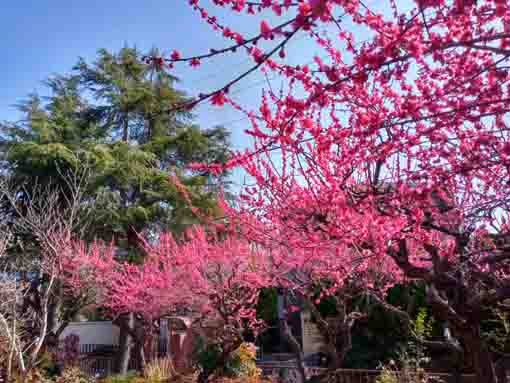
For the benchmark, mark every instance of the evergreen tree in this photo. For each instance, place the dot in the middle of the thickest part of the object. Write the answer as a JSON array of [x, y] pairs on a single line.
[[125, 135], [148, 143]]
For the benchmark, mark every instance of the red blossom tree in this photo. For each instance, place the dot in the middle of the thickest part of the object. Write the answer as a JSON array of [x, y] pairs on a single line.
[[212, 279], [394, 145]]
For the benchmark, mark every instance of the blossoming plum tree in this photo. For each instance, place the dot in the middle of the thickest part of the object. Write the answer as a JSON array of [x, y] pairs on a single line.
[[207, 278], [398, 137]]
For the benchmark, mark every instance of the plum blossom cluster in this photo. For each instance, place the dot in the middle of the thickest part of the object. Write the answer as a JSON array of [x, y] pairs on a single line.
[[208, 277]]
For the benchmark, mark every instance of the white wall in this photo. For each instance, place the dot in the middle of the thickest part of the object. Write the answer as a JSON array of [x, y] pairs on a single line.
[[93, 332], [312, 338]]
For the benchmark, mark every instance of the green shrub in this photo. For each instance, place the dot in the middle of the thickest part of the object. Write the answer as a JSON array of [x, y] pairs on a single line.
[[130, 377], [207, 356]]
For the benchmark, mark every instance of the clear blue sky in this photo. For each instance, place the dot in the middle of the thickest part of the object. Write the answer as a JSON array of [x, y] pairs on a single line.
[[44, 37], [41, 37]]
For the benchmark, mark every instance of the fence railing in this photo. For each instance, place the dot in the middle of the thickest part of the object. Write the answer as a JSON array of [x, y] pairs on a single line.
[[369, 376], [101, 359], [286, 372], [91, 348], [98, 366], [103, 365]]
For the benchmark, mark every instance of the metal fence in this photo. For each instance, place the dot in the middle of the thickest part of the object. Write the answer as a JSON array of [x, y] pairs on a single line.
[[101, 359], [92, 348], [98, 366], [286, 372], [369, 376]]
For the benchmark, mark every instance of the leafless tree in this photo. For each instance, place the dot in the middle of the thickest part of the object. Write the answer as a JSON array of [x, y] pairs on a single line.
[[12, 324], [32, 231]]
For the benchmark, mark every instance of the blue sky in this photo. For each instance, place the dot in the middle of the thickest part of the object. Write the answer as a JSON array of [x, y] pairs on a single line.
[[44, 37]]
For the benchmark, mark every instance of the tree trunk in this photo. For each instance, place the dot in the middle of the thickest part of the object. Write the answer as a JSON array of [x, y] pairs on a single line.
[[481, 357], [334, 360], [126, 324], [483, 367], [125, 128], [345, 341], [203, 377], [295, 347], [143, 361], [52, 316], [336, 333], [500, 368], [140, 340], [286, 335]]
